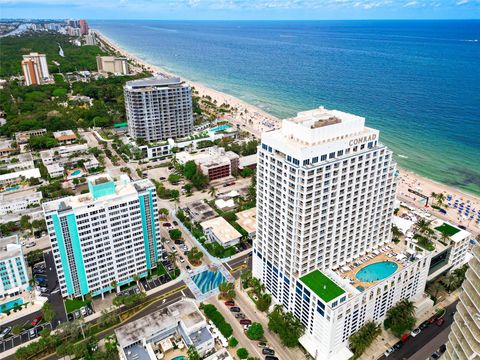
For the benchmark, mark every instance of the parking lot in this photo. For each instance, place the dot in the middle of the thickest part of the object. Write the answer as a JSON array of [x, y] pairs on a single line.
[[27, 335]]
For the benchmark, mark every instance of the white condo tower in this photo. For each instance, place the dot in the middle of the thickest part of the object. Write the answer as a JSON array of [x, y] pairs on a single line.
[[325, 193]]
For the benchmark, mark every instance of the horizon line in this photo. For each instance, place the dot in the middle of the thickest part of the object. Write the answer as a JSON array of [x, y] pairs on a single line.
[[272, 20]]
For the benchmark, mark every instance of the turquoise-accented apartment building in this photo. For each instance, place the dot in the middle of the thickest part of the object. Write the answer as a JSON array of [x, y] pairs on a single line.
[[107, 235], [13, 272]]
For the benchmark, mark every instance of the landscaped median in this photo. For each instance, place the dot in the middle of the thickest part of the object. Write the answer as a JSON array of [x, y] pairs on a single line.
[[213, 314]]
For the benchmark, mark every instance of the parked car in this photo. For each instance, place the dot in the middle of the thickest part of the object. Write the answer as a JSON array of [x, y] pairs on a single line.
[[240, 316], [31, 244], [405, 337], [435, 356], [262, 344], [175, 223], [424, 325], [433, 319], [181, 259], [230, 303], [245, 327], [245, 322], [443, 348], [5, 332], [70, 317], [267, 351], [37, 320], [397, 345], [179, 242], [32, 333], [235, 309], [167, 224], [83, 311], [440, 321], [415, 332], [269, 357], [463, 227], [389, 351]]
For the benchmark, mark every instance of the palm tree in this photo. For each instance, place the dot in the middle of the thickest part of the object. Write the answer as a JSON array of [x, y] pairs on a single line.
[[423, 226], [212, 191], [114, 285], [445, 238], [136, 278], [163, 212], [227, 290], [362, 339], [172, 257]]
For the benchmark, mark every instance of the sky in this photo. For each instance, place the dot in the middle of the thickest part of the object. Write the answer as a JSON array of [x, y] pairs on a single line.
[[241, 9]]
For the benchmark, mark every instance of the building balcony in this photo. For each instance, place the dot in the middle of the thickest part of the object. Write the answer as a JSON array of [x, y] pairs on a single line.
[[457, 348], [472, 341], [466, 312], [471, 294]]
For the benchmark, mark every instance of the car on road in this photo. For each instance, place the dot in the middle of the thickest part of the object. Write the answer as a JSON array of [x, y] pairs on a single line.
[[245, 322], [240, 316], [5, 332], [262, 344], [269, 357], [440, 321], [267, 351], [397, 345], [424, 325], [235, 309], [389, 351], [230, 303], [415, 332], [37, 320]]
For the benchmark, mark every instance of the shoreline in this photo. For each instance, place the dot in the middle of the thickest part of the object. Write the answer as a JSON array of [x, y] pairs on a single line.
[[257, 120]]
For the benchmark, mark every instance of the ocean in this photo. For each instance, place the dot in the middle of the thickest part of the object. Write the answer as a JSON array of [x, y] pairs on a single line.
[[418, 82]]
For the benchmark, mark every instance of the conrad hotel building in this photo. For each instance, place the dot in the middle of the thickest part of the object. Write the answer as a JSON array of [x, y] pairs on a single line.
[[325, 192]]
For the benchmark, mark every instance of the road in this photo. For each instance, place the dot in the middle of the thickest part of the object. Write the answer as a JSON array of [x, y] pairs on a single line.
[[424, 343], [151, 309]]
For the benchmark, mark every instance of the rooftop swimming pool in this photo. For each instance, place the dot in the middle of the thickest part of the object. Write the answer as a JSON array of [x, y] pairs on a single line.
[[220, 128], [376, 271], [10, 305], [208, 280]]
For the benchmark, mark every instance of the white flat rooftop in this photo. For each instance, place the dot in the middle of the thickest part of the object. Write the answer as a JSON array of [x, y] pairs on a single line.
[[221, 229]]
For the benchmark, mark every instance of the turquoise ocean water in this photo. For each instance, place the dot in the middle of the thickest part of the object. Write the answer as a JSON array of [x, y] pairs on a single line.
[[416, 81]]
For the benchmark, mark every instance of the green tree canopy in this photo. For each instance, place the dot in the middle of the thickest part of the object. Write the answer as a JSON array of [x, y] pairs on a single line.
[[255, 331]]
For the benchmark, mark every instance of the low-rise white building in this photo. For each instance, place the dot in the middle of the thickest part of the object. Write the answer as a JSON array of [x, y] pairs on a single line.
[[179, 325], [220, 231], [13, 272], [55, 170], [22, 137], [11, 178], [247, 219], [18, 162], [17, 201]]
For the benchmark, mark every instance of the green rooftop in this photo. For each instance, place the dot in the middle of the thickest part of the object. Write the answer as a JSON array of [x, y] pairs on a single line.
[[321, 285], [447, 229]]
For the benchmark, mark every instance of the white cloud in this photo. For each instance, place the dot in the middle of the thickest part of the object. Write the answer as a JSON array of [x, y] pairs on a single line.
[[462, 2], [410, 4]]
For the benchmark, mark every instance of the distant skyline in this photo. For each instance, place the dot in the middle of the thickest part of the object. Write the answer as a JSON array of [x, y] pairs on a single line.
[[242, 9]]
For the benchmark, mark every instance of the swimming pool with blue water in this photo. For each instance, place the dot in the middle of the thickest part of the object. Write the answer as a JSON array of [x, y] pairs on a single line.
[[376, 271], [208, 280], [220, 128]]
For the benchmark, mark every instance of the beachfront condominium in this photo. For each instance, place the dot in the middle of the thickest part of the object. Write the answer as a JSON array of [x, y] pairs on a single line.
[[325, 193], [112, 65], [13, 272], [35, 69], [464, 338], [158, 108], [104, 238], [83, 26]]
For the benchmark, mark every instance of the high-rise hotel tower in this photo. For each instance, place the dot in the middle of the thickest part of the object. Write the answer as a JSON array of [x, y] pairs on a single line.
[[109, 235], [35, 69], [464, 338], [325, 193]]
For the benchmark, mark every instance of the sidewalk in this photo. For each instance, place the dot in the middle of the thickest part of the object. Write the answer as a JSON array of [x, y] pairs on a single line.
[[249, 309], [386, 339]]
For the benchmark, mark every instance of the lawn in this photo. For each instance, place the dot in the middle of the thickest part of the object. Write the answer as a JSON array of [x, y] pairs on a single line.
[[159, 270], [321, 285], [447, 229], [74, 304]]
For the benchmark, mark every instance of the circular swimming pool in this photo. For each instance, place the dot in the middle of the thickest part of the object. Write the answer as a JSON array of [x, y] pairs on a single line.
[[376, 271]]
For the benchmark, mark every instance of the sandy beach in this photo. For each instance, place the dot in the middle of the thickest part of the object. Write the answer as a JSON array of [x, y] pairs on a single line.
[[256, 121]]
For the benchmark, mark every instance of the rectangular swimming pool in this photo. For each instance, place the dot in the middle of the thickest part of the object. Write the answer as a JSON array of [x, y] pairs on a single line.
[[11, 304], [221, 127]]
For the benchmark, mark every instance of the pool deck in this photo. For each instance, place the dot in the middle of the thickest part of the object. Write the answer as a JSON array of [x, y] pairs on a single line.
[[383, 255]]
